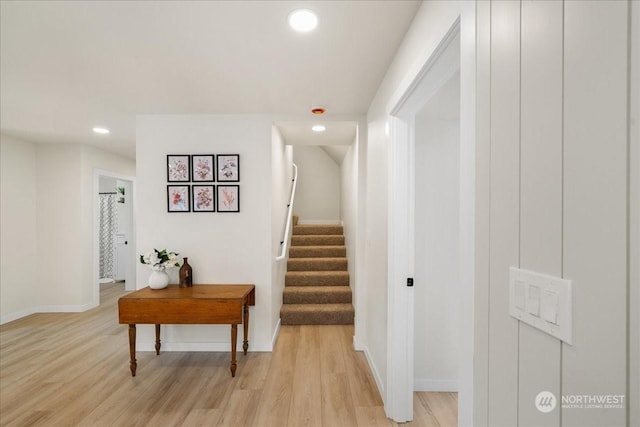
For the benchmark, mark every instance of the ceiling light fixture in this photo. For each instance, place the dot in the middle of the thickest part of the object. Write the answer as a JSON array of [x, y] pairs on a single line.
[[318, 109], [101, 131], [318, 128], [302, 20]]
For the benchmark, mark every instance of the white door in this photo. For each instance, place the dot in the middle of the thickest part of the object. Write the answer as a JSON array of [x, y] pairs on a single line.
[[121, 251]]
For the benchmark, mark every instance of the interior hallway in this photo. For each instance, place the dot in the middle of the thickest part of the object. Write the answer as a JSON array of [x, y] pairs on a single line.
[[73, 369]]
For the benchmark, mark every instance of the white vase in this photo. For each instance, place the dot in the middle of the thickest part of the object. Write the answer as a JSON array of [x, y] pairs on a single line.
[[158, 279]]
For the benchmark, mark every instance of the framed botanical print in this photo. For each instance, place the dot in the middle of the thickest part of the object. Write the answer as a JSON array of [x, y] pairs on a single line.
[[202, 167], [228, 198], [203, 198], [178, 168], [178, 198], [228, 167]]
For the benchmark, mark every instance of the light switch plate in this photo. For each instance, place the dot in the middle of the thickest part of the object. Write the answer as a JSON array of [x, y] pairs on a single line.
[[548, 298]]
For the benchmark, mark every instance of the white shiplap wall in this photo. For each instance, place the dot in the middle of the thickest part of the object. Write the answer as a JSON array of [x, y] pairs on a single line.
[[553, 152]]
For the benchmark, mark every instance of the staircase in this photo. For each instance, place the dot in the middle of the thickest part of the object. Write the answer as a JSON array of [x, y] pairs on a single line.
[[317, 288]]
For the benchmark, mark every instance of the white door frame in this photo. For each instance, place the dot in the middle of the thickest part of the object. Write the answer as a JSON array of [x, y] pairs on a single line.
[[130, 280], [445, 60]]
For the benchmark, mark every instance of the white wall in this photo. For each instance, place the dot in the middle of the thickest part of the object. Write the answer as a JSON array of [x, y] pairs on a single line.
[[349, 210], [437, 169], [66, 207], [318, 191], [553, 152], [124, 209], [282, 175], [59, 223], [222, 247], [431, 23], [634, 212], [107, 184], [62, 272], [18, 240]]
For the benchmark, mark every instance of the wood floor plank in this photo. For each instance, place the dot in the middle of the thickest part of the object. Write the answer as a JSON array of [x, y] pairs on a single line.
[[241, 409], [275, 401], [72, 369], [337, 406], [422, 415], [444, 406], [372, 416], [305, 410], [202, 417], [331, 349]]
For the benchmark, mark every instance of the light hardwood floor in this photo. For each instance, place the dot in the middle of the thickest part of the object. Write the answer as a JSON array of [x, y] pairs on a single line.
[[72, 369]]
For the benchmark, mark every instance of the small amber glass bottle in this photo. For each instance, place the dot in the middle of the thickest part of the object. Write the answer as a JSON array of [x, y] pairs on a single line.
[[186, 278]]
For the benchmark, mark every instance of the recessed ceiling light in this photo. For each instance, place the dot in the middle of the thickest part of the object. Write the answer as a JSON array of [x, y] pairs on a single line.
[[303, 20], [101, 131], [318, 128]]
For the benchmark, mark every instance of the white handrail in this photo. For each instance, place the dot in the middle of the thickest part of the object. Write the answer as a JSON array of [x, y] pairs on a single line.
[[284, 244]]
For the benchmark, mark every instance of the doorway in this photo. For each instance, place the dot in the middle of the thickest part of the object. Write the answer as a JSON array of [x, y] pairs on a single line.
[[437, 233], [431, 217], [114, 234]]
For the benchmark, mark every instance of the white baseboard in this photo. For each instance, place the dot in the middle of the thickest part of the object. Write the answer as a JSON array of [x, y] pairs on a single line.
[[376, 375], [435, 385], [357, 345], [275, 335], [198, 346], [46, 309], [66, 308], [318, 221], [17, 315]]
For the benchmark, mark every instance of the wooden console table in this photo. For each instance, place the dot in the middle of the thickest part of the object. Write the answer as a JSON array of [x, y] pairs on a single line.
[[199, 304]]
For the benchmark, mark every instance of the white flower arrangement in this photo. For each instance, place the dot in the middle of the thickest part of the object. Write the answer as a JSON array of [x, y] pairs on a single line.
[[160, 260]]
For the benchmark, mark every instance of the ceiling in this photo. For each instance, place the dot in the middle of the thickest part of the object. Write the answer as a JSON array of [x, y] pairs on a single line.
[[66, 67], [335, 140]]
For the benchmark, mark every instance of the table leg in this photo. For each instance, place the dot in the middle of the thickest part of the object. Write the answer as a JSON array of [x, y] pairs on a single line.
[[245, 323], [234, 341], [157, 339], [132, 349]]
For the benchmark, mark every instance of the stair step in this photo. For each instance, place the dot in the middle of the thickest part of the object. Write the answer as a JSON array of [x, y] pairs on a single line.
[[316, 294], [316, 278], [317, 264], [317, 251], [317, 314], [317, 240], [309, 229]]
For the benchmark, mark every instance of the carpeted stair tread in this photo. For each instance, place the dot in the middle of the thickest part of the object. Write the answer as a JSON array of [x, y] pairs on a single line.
[[317, 251], [316, 278], [309, 229], [316, 294], [317, 264], [317, 314], [317, 240]]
